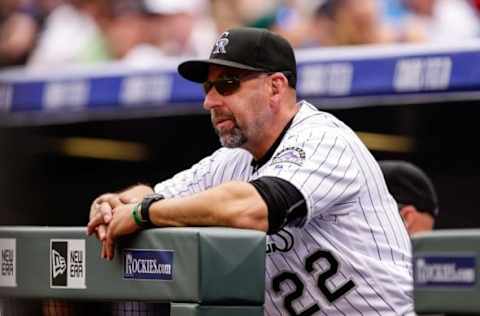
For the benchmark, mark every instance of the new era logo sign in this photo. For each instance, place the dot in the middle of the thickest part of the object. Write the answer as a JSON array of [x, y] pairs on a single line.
[[8, 263], [58, 253], [67, 263], [58, 264]]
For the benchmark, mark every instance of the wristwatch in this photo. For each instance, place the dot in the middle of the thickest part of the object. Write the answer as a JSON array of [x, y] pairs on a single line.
[[145, 207]]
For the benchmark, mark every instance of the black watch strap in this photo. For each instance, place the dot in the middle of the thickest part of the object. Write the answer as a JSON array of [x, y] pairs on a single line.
[[144, 209]]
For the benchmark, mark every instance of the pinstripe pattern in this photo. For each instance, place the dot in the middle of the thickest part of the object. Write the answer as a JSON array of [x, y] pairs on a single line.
[[352, 223]]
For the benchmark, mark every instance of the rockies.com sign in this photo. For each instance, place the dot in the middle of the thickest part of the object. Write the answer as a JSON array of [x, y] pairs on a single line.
[[148, 264]]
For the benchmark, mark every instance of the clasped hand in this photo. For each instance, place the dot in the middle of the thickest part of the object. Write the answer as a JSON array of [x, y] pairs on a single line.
[[110, 218]]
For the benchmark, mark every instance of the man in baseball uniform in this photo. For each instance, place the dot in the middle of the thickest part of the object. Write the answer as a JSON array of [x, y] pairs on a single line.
[[336, 244], [414, 192]]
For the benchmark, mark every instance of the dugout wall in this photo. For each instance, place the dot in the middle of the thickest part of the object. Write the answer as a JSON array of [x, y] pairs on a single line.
[[171, 271]]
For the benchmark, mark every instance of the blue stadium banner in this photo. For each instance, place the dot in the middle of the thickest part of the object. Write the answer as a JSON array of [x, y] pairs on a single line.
[[328, 77]]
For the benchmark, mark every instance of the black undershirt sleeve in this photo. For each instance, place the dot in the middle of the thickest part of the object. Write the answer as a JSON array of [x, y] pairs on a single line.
[[284, 201]]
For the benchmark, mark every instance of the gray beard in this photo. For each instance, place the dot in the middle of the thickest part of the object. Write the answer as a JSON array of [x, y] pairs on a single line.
[[233, 139]]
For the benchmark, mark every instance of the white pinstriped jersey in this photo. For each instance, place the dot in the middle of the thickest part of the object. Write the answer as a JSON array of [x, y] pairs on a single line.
[[351, 254]]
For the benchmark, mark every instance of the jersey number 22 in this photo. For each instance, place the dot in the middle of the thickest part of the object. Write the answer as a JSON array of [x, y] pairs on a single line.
[[331, 296]]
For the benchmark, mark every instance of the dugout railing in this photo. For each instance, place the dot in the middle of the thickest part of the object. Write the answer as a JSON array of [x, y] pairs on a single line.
[[172, 271]]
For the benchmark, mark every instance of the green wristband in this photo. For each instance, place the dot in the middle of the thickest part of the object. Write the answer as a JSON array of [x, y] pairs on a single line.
[[136, 216]]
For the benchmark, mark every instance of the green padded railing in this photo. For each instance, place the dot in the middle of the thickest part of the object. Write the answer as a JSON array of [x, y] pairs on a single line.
[[198, 271], [446, 271]]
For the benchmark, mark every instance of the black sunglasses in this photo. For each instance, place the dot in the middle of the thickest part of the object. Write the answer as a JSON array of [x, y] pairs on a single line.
[[228, 84]]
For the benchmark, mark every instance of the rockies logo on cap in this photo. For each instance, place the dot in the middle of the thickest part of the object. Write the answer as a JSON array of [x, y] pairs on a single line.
[[220, 44]]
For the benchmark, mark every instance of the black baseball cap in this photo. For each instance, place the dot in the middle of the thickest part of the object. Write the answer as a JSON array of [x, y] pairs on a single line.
[[409, 185], [246, 48]]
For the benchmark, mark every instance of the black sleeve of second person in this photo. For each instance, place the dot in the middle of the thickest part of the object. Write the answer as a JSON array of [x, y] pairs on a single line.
[[284, 201]]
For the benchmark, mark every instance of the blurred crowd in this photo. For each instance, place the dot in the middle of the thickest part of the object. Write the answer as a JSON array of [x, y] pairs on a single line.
[[49, 33]]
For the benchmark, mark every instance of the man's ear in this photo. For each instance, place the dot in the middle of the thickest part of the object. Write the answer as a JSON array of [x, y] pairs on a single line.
[[408, 214], [279, 86]]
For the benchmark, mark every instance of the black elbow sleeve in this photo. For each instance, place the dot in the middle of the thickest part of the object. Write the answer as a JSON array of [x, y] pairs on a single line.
[[284, 201]]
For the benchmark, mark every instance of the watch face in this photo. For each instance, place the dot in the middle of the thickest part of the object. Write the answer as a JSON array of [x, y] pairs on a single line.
[[154, 196]]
